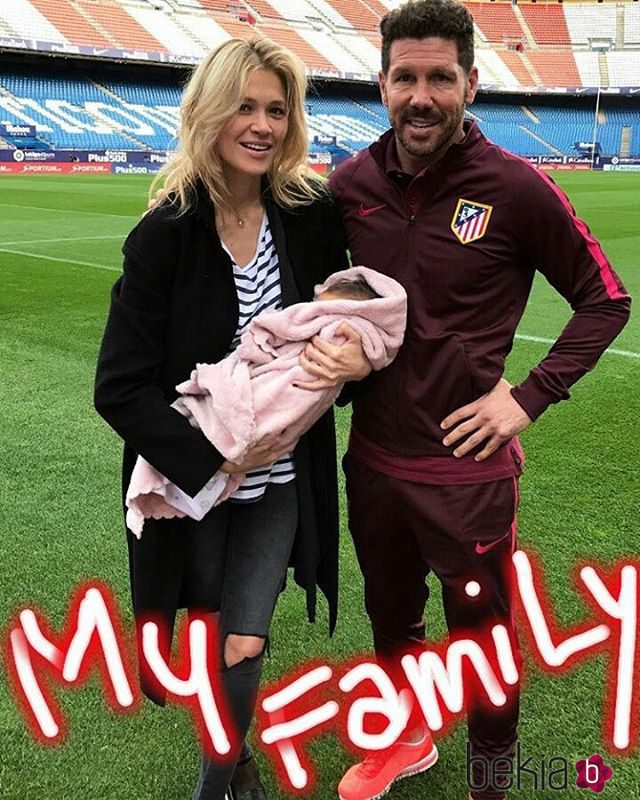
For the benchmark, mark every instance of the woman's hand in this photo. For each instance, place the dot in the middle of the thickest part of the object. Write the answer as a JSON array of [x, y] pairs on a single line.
[[269, 449], [334, 364]]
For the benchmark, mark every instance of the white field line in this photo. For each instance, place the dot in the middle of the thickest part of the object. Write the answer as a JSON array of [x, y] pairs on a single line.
[[68, 239], [71, 211], [521, 336], [611, 351], [59, 260]]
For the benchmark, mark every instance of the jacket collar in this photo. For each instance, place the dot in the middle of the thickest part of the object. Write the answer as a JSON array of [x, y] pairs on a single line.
[[384, 151], [288, 289], [203, 208]]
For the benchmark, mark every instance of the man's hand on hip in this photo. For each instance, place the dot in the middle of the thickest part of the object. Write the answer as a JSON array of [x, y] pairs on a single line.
[[493, 419]]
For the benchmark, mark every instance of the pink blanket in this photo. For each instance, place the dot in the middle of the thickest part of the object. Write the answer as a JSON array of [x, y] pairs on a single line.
[[251, 393]]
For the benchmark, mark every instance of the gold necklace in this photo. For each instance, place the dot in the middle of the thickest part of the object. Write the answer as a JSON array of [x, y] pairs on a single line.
[[241, 221]]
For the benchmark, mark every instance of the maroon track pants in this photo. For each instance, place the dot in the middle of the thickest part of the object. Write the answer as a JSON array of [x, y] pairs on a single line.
[[403, 531]]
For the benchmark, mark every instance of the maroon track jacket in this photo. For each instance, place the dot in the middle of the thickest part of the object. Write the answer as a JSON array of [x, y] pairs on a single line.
[[464, 238]]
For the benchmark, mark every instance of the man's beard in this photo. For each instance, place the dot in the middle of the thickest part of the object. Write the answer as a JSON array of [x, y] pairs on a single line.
[[445, 136]]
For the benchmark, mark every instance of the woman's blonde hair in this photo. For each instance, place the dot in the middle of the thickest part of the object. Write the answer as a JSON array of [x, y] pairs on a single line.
[[212, 96]]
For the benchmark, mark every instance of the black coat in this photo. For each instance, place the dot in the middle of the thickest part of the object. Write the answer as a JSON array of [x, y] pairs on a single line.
[[174, 306]]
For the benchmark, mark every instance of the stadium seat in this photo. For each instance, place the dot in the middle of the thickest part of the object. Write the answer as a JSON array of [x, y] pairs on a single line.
[[520, 70], [71, 23], [547, 23], [631, 24], [167, 29], [122, 27], [25, 20], [555, 68], [497, 21], [358, 13], [588, 20]]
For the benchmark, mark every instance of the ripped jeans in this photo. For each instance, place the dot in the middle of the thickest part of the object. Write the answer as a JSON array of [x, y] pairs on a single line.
[[253, 543]]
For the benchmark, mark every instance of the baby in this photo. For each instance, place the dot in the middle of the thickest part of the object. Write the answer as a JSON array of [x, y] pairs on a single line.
[[253, 392]]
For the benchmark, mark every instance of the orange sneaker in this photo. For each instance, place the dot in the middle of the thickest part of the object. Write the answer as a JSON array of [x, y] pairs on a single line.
[[373, 777]]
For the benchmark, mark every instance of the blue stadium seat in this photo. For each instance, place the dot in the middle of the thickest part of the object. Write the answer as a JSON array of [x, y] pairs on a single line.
[[98, 111]]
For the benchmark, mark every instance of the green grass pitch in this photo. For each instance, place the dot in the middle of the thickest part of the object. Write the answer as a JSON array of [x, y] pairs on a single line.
[[60, 244]]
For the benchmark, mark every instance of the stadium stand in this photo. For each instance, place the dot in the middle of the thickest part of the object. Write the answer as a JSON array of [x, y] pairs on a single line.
[[108, 113], [530, 46], [519, 68], [611, 135], [588, 69], [358, 13], [220, 6], [339, 56], [496, 21], [547, 23], [367, 54], [76, 113], [353, 127], [239, 27], [261, 9], [555, 69], [517, 140], [624, 69], [631, 25], [312, 57], [157, 104], [205, 29], [168, 30], [298, 10], [588, 21], [122, 27], [67, 19], [376, 40], [561, 128], [328, 13], [506, 125], [492, 69], [27, 21], [526, 44], [378, 7], [493, 112]]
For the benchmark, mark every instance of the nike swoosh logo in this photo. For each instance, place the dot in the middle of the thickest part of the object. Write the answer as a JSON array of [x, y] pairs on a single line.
[[481, 549], [367, 212]]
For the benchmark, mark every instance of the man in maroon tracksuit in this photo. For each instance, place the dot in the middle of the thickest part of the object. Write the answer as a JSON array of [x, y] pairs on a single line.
[[433, 458]]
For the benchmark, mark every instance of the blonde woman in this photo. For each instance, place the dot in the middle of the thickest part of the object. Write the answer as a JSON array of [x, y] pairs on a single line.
[[242, 227]]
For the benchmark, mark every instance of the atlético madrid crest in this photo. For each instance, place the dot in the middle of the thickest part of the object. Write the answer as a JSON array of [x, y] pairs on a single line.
[[470, 220]]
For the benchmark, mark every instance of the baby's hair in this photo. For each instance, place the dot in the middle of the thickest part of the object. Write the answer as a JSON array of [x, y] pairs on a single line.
[[350, 287]]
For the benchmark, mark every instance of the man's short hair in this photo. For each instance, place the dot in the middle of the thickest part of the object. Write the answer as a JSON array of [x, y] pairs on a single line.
[[419, 19]]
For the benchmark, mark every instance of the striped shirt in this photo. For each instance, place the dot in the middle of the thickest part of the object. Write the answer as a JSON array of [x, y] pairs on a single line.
[[258, 288]]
